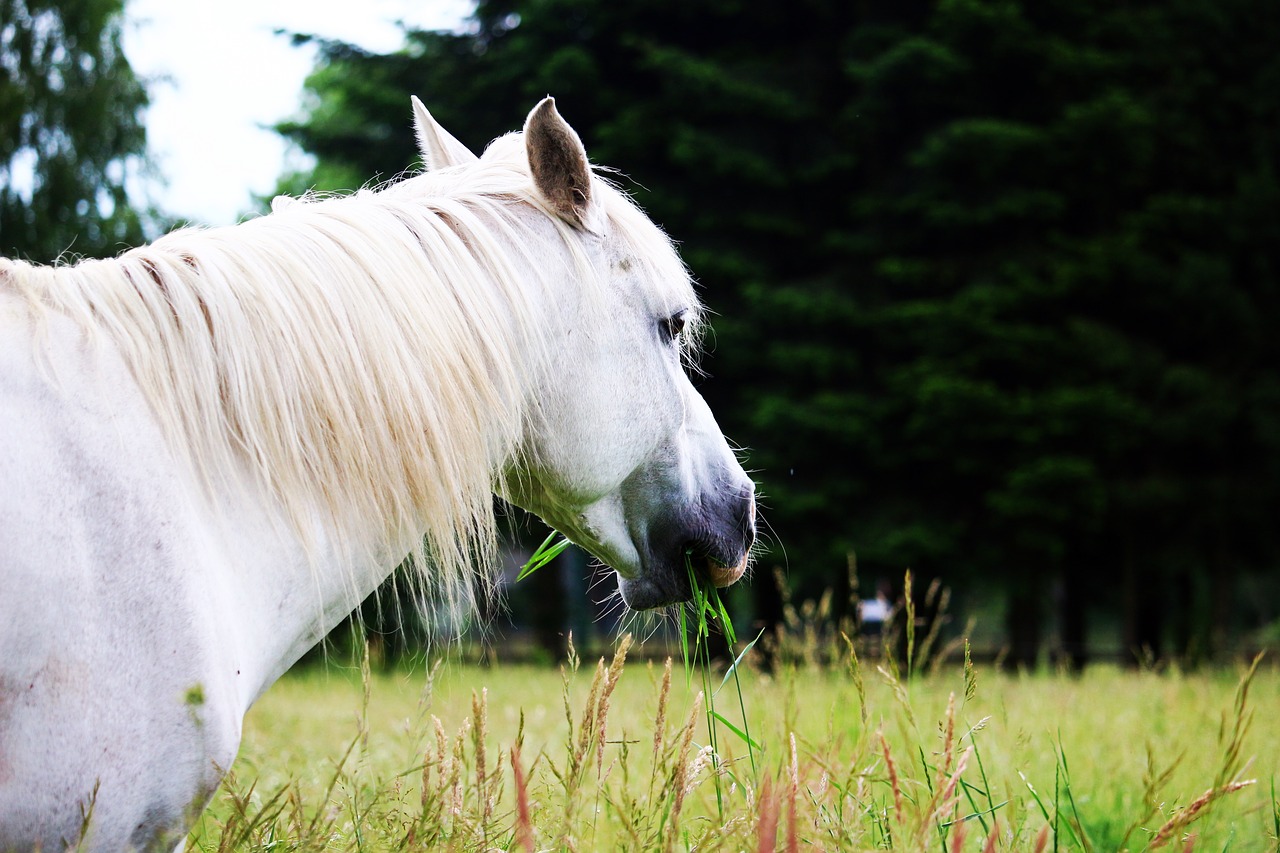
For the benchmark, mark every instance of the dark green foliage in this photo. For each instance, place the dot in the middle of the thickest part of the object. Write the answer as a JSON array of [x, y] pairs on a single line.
[[71, 130], [994, 279]]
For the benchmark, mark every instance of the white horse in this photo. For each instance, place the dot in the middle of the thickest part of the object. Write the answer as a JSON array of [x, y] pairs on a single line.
[[212, 448]]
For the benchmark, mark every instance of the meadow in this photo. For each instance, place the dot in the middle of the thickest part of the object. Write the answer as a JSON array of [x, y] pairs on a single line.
[[612, 755]]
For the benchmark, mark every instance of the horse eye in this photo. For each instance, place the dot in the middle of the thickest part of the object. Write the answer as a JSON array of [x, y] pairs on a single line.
[[674, 324]]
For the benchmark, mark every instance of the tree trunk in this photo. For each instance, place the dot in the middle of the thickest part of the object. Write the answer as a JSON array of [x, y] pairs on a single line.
[[1143, 616], [1075, 644], [1024, 620]]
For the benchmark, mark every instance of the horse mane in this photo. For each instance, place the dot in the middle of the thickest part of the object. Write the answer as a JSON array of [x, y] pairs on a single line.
[[367, 357]]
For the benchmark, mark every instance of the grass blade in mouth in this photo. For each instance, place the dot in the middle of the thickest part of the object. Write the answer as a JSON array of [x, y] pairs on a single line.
[[707, 607], [545, 553]]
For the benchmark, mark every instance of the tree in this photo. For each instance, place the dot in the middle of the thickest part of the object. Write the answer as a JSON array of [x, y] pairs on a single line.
[[1070, 336], [71, 130]]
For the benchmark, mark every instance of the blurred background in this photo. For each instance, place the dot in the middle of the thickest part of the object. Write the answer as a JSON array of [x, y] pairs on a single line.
[[992, 280]]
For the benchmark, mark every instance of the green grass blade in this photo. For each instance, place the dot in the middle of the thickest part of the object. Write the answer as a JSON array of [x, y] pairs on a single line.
[[746, 725], [543, 547], [1081, 839], [545, 553], [722, 615], [684, 646], [742, 736], [1035, 795], [733, 668], [986, 785]]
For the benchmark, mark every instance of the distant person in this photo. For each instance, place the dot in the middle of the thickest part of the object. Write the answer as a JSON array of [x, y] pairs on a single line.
[[873, 613]]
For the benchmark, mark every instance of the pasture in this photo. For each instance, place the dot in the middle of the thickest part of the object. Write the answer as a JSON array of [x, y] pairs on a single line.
[[610, 756]]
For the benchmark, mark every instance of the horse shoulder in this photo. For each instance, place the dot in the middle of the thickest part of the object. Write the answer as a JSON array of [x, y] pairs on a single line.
[[110, 693]]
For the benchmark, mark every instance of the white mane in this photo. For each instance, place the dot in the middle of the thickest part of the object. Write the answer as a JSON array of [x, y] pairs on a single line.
[[368, 357]]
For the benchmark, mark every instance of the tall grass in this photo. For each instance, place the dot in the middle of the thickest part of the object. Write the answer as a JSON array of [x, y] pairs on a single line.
[[619, 756]]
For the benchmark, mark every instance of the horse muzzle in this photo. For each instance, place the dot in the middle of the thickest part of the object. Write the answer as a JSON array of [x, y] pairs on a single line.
[[713, 539]]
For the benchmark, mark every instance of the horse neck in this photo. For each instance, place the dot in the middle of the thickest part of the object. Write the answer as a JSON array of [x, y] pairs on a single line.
[[308, 569]]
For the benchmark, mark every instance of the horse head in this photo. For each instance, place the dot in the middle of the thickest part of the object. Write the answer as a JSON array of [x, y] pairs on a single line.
[[621, 453]]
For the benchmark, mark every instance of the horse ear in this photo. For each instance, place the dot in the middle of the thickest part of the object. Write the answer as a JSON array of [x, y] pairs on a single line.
[[438, 147], [559, 164]]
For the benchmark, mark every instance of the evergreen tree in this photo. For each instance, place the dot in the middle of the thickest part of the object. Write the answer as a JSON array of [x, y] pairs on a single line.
[[71, 131], [1070, 327]]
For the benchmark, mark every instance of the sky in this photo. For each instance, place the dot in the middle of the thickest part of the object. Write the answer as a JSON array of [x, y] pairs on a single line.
[[218, 76]]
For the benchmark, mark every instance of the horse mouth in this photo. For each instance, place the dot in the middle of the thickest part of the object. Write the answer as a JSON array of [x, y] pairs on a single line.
[[720, 573], [675, 584]]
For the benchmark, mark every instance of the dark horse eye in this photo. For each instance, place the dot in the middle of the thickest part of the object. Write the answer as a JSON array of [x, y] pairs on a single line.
[[674, 324]]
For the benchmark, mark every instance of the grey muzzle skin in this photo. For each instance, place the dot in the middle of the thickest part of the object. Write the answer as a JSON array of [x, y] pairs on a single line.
[[715, 535]]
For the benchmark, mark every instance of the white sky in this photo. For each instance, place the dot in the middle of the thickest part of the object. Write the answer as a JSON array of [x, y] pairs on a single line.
[[227, 77]]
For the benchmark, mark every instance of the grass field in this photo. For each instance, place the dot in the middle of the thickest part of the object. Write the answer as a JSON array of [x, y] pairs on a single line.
[[611, 757]]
